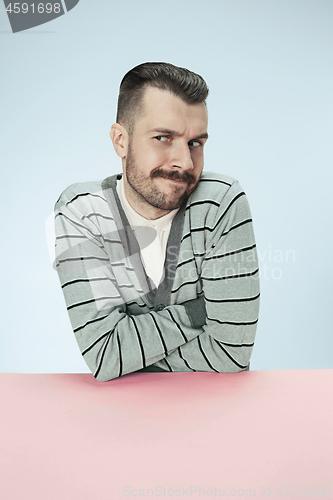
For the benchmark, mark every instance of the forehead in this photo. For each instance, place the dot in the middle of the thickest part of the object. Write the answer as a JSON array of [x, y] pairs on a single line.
[[163, 109]]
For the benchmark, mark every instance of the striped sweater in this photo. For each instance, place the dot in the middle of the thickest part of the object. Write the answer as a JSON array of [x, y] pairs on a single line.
[[204, 313]]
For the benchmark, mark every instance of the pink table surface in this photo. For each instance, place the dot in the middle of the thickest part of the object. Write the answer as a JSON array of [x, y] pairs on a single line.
[[162, 435]]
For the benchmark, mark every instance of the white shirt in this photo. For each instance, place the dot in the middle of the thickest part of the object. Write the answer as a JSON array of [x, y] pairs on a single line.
[[153, 254]]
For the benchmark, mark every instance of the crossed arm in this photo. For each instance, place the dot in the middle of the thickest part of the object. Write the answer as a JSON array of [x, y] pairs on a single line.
[[213, 332]]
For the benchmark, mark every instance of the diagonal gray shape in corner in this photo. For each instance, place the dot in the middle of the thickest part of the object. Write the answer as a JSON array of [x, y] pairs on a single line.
[[23, 16], [70, 4]]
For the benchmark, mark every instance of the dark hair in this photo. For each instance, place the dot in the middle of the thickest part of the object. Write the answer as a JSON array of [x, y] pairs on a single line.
[[185, 84]]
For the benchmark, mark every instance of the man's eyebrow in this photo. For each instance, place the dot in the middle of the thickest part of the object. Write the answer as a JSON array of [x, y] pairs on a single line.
[[177, 134]]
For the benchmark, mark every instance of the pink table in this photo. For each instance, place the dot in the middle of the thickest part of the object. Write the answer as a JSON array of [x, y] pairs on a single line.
[[162, 435]]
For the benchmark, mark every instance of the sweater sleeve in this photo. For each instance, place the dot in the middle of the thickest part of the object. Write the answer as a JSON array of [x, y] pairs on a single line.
[[113, 342], [230, 283]]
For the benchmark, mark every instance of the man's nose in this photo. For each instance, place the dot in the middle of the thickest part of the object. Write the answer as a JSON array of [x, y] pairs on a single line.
[[182, 156]]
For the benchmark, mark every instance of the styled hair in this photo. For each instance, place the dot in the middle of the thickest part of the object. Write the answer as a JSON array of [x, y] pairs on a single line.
[[189, 86]]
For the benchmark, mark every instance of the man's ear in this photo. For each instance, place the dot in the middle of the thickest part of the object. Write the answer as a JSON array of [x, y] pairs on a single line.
[[119, 137]]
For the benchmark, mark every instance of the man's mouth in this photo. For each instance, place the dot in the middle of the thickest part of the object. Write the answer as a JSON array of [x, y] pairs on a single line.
[[186, 179], [178, 181]]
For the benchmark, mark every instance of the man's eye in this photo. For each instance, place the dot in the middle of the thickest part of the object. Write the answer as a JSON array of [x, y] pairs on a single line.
[[195, 144], [162, 138]]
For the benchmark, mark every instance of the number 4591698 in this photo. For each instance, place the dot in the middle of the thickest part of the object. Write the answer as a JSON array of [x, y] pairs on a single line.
[[40, 8]]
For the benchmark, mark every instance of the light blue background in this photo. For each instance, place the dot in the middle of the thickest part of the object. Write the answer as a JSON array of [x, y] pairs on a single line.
[[269, 68]]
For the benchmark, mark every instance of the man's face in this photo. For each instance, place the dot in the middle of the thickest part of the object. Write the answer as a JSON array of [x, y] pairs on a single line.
[[165, 159]]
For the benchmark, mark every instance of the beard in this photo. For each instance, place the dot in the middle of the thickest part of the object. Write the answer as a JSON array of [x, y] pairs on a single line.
[[144, 186]]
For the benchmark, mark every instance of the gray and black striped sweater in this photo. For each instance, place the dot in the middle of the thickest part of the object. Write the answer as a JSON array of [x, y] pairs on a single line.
[[203, 315]]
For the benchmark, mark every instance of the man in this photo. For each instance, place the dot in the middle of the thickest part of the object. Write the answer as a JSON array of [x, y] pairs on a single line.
[[158, 265]]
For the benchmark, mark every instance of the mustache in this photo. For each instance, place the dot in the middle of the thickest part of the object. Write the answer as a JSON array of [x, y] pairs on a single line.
[[174, 175]]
